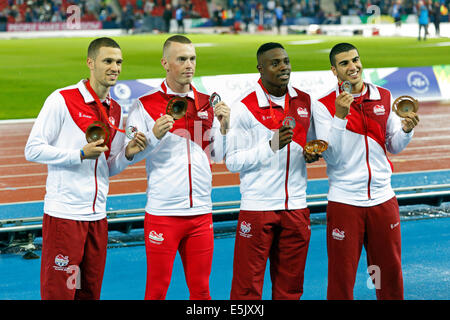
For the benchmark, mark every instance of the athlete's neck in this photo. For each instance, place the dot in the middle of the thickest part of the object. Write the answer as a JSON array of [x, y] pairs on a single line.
[[358, 88], [277, 91], [99, 89], [178, 87]]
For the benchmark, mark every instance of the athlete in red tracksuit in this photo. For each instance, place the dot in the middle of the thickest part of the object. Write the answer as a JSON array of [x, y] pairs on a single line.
[[362, 208], [273, 219], [75, 230], [178, 162]]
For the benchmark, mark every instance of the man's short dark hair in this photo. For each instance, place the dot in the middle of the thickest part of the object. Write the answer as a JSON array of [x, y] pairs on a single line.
[[96, 44], [339, 48], [176, 38], [266, 47]]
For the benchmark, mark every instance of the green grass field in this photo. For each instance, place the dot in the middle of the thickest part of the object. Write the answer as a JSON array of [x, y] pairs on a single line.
[[32, 68]]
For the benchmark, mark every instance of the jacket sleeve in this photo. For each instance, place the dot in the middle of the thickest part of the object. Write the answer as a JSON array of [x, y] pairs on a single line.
[[218, 151], [396, 138], [140, 119], [245, 149], [330, 129], [41, 142], [311, 134]]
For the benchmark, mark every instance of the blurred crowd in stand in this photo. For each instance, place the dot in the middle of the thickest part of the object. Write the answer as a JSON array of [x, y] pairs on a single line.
[[237, 13], [55, 10]]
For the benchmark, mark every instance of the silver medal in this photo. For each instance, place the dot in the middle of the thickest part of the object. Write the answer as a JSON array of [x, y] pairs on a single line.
[[346, 86], [214, 99], [131, 132]]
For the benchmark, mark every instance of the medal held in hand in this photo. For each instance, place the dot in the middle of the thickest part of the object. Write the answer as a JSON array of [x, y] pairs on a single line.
[[405, 105], [346, 86], [316, 146], [99, 130], [177, 107], [96, 131], [214, 99], [131, 132], [289, 122]]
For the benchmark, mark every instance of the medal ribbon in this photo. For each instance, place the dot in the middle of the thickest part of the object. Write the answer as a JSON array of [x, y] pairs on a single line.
[[164, 87], [275, 119], [100, 106]]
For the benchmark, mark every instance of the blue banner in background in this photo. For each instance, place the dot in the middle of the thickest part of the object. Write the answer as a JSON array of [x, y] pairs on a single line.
[[127, 91], [419, 82]]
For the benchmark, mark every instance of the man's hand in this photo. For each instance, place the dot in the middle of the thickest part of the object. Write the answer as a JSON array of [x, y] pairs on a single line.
[[136, 145], [342, 104], [311, 157], [162, 126], [222, 113], [93, 150], [281, 138], [409, 122]]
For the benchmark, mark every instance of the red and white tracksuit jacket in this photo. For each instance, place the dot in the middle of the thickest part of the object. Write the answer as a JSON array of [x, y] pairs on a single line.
[[269, 181], [179, 165], [358, 168], [75, 189]]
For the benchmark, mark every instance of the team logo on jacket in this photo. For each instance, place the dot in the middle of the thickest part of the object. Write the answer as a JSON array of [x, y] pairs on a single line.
[[379, 110], [112, 120], [337, 234], [202, 114], [61, 262], [82, 115], [393, 225], [302, 112], [245, 229], [156, 238]]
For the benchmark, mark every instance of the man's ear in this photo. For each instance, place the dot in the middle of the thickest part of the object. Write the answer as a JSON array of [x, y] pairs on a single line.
[[333, 69], [90, 63], [259, 67], [165, 64]]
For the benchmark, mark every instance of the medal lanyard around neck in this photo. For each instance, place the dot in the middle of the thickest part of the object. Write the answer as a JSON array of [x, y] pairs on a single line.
[[100, 106], [275, 119], [164, 87]]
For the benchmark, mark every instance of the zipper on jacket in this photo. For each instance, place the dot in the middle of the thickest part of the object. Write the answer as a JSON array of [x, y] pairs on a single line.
[[287, 177], [188, 148], [96, 186], [189, 172], [367, 151]]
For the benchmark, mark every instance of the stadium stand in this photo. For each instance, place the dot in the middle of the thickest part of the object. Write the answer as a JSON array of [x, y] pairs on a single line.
[[130, 14]]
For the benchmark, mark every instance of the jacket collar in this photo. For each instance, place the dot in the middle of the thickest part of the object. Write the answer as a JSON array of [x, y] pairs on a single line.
[[374, 93], [263, 102], [166, 89], [88, 98]]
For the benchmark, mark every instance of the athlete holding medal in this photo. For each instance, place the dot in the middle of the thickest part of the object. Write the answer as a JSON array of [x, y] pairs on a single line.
[[356, 120], [75, 230], [186, 130], [270, 126]]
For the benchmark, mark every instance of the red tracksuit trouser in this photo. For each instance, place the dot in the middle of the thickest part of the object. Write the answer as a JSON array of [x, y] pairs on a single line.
[[282, 237], [378, 229], [193, 237], [73, 258]]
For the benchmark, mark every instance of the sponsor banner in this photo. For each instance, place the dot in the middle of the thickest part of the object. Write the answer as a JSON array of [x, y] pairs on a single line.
[[422, 83], [443, 78], [127, 91], [53, 26]]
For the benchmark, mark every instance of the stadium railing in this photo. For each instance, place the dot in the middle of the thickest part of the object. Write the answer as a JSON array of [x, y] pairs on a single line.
[[24, 230]]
